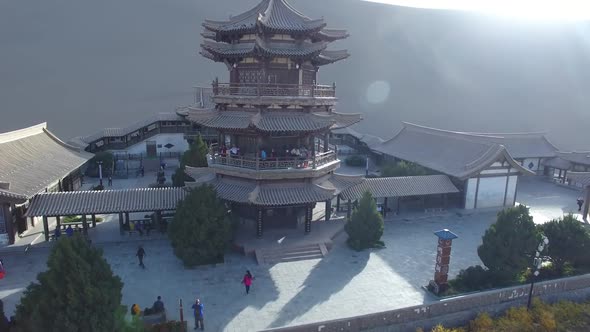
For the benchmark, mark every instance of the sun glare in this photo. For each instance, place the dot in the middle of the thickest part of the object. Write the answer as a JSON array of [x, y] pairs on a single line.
[[525, 9]]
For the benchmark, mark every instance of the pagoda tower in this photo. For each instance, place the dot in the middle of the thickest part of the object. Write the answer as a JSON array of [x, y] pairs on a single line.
[[273, 161]]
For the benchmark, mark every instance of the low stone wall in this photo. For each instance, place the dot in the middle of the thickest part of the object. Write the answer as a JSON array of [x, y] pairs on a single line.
[[453, 311]]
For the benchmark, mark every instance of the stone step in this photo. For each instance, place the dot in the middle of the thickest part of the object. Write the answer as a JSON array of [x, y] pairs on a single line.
[[290, 254]]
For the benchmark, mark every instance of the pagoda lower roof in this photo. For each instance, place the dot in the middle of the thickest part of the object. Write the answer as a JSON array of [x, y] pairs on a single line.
[[271, 120], [272, 194], [261, 48], [271, 15]]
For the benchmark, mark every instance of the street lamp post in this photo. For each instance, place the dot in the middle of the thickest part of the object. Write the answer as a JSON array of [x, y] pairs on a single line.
[[537, 263], [100, 172]]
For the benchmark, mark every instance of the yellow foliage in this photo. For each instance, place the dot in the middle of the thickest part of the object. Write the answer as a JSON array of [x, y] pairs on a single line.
[[440, 328], [482, 323], [515, 320]]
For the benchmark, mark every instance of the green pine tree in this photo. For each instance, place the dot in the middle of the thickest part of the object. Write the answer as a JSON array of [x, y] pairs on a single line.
[[77, 293], [196, 156], [201, 229], [569, 242], [508, 245], [365, 227]]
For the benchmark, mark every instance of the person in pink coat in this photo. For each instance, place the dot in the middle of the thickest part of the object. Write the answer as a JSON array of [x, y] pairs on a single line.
[[247, 281]]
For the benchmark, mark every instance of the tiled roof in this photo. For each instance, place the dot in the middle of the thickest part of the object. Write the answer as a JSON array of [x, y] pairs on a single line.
[[557, 162], [402, 187], [33, 159], [519, 145], [105, 201], [576, 157], [119, 132], [271, 121], [263, 48], [7, 196], [368, 139], [330, 56], [582, 178], [331, 34], [451, 153], [273, 15]]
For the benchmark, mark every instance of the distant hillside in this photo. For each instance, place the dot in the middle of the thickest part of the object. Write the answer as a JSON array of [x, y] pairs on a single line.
[[85, 65]]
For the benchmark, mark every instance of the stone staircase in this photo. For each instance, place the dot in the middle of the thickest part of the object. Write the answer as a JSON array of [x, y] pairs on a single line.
[[290, 254]]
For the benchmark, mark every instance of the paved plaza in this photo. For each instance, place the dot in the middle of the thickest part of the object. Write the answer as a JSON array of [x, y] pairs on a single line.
[[344, 283]]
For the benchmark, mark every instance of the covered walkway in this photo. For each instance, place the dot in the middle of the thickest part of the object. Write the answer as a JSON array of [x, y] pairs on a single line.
[[407, 186], [91, 203]]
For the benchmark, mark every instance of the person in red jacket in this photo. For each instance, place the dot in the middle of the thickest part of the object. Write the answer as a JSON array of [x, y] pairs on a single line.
[[247, 281]]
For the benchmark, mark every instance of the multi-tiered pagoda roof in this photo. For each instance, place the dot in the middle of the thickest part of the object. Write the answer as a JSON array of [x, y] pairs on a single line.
[[270, 17]]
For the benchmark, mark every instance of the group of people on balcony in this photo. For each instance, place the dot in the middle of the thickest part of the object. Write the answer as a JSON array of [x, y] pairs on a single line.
[[301, 153]]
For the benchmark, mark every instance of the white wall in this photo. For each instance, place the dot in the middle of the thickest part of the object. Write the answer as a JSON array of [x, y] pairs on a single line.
[[180, 144], [470, 188], [491, 192], [534, 161], [511, 192]]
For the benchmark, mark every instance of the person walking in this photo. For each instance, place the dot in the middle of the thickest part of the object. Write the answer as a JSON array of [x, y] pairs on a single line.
[[247, 281], [198, 311], [110, 180], [580, 202], [140, 254], [158, 305]]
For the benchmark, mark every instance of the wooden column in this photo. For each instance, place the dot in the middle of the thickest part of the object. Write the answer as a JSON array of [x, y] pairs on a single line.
[[338, 203], [313, 150], [348, 209], [32, 221], [45, 228], [259, 222], [586, 204], [328, 209], [84, 224], [308, 216], [94, 221], [121, 224], [385, 207], [158, 221], [326, 140], [58, 221]]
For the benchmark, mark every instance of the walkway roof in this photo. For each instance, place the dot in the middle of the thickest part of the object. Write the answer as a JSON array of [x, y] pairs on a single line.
[[402, 187], [105, 201], [33, 159]]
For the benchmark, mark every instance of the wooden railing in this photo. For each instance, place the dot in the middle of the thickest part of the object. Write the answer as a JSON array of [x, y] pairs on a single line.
[[274, 90], [273, 163]]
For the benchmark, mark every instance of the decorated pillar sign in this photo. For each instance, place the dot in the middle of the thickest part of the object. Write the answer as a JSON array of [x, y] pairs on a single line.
[[308, 215], [259, 220], [443, 258]]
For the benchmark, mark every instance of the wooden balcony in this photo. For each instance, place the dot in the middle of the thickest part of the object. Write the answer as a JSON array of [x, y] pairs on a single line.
[[282, 94], [284, 163]]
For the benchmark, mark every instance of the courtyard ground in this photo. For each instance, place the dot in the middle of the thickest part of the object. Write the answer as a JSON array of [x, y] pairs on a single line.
[[344, 283]]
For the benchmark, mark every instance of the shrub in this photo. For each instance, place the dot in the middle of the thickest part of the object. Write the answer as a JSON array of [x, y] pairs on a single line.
[[196, 156], [569, 242], [201, 229], [482, 323], [473, 278], [365, 228], [355, 161], [76, 219], [87, 300], [508, 245]]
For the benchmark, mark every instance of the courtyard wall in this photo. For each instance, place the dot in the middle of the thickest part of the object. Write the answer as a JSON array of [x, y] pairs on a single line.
[[453, 311]]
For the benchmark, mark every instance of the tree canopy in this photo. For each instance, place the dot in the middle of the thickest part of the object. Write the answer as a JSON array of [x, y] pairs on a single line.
[[196, 156], [201, 229], [569, 241], [365, 227], [78, 292], [508, 245]]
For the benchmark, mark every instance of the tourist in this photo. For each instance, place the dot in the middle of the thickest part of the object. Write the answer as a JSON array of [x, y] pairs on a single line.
[[142, 171], [57, 233], [135, 310], [247, 281], [580, 203], [2, 270], [273, 154], [198, 312], [223, 150], [140, 254], [69, 231], [263, 154], [139, 228], [158, 305], [110, 180], [234, 150]]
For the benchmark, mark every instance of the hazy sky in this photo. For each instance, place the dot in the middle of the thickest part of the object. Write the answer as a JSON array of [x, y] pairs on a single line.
[[82, 65]]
